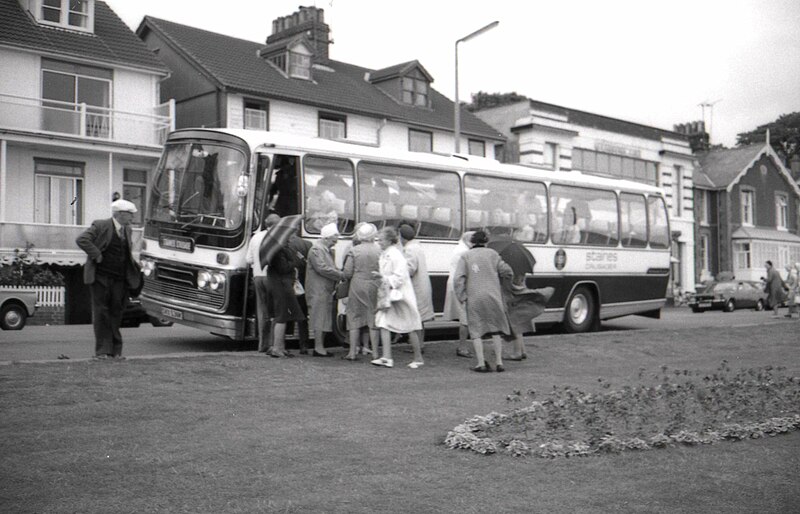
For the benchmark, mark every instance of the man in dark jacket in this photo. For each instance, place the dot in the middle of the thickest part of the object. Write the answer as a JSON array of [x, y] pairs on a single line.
[[111, 272]]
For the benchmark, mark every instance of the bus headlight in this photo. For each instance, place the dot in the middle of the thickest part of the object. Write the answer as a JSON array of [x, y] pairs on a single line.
[[203, 279], [148, 267], [217, 281]]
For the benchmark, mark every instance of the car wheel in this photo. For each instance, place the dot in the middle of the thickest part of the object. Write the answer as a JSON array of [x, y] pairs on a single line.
[[730, 306], [696, 309], [760, 305], [13, 317], [581, 311]]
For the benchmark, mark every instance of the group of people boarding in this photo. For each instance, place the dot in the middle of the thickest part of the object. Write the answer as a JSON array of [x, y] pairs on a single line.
[[384, 280]]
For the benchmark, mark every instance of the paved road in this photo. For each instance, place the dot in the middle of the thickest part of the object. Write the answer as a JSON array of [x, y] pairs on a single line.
[[35, 343]]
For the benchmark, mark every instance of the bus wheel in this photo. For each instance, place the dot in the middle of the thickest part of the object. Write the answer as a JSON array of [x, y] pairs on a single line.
[[580, 313]]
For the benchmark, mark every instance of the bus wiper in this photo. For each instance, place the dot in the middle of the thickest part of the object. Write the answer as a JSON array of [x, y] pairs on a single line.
[[195, 218]]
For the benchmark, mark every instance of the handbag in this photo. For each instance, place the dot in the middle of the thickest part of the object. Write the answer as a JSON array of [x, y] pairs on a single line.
[[299, 290], [342, 290]]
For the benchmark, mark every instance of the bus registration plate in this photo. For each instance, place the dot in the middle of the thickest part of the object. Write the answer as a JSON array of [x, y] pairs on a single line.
[[171, 313]]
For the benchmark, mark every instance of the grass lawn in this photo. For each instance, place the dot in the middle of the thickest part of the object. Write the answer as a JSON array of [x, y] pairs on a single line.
[[246, 433]]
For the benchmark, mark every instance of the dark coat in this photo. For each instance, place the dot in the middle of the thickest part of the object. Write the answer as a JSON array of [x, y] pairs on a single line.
[[94, 242]]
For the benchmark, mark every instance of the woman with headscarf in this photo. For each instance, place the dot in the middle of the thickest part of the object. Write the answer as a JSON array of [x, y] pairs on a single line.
[[360, 266], [477, 282], [397, 305], [453, 309]]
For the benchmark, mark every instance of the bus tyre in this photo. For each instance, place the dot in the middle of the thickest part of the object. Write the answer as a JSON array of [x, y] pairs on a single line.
[[581, 313]]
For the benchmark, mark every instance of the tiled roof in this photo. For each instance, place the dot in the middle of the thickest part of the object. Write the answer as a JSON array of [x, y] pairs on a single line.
[[112, 42], [235, 65], [718, 168], [588, 119], [766, 234]]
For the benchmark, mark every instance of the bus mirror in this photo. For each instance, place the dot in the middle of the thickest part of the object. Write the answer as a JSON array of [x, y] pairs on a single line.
[[242, 186]]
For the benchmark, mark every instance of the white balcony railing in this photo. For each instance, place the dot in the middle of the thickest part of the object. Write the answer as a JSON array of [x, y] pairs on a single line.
[[87, 121]]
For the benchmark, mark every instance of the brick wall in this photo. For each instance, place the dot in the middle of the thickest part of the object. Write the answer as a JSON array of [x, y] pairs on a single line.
[[47, 316]]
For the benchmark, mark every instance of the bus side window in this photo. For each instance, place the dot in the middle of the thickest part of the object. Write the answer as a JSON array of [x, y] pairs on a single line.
[[283, 198], [633, 220]]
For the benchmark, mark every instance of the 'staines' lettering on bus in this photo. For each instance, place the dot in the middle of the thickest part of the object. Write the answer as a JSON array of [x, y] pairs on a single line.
[[601, 260]]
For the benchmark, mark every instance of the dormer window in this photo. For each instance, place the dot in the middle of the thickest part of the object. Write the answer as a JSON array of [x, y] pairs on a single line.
[[293, 59], [70, 14], [299, 65], [415, 91]]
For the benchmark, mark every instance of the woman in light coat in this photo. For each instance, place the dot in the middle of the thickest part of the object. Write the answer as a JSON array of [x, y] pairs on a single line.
[[477, 282], [401, 316], [420, 280], [793, 283], [453, 309]]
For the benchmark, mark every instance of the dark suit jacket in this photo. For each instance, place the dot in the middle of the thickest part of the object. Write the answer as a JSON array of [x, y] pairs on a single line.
[[94, 241]]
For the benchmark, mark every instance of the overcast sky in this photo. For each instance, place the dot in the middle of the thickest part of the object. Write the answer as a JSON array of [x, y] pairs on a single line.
[[642, 61]]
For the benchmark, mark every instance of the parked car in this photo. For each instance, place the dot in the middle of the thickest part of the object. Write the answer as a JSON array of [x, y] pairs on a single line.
[[134, 315], [729, 295], [15, 307]]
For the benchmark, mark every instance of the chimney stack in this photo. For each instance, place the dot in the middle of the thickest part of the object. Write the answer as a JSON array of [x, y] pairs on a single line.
[[309, 21]]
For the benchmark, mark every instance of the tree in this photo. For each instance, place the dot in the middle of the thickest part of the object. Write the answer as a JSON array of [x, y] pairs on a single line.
[[481, 100], [784, 136]]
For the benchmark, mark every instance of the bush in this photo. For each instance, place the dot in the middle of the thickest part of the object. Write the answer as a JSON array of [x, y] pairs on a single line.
[[676, 407], [25, 269]]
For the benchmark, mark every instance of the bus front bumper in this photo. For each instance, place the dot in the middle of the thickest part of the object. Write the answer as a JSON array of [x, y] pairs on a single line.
[[219, 324]]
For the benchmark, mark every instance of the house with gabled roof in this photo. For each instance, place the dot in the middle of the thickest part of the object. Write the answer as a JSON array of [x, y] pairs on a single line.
[[290, 84], [567, 139], [80, 119], [747, 207]]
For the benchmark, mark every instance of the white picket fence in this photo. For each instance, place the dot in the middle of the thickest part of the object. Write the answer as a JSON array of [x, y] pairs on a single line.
[[45, 296]]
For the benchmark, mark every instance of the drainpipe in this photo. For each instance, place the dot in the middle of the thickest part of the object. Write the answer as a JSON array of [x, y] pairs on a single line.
[[110, 178], [3, 172]]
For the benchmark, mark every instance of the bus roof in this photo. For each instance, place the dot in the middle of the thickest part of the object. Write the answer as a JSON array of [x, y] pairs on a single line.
[[463, 162]]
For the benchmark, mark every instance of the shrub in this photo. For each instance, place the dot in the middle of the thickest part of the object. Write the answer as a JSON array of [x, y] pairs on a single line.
[[25, 269]]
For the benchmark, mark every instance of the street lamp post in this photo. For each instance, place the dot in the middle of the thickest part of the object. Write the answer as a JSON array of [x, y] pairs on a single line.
[[457, 107]]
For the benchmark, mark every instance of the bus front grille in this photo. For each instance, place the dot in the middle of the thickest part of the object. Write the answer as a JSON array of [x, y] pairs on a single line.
[[184, 293]]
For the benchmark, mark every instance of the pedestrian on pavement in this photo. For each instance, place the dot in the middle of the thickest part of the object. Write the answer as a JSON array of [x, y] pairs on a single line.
[[420, 280], [111, 273], [321, 278], [453, 309], [396, 304], [477, 282], [793, 285], [774, 288], [263, 312], [360, 266]]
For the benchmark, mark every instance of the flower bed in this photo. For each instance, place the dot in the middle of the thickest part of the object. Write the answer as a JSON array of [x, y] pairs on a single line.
[[672, 407]]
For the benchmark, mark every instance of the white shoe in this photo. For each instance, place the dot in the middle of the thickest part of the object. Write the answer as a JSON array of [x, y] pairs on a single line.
[[386, 363], [415, 364]]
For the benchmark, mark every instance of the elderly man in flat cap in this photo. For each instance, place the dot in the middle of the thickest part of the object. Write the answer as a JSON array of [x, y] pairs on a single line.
[[111, 272], [321, 278]]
